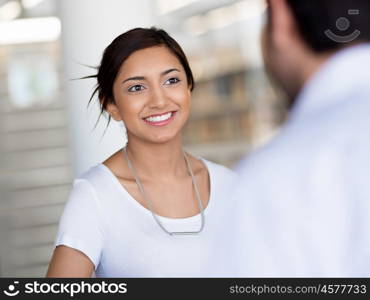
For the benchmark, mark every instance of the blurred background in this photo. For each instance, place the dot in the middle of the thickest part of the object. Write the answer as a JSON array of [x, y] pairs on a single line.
[[47, 132]]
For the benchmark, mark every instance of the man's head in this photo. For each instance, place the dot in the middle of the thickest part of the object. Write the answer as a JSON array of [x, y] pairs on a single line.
[[302, 34]]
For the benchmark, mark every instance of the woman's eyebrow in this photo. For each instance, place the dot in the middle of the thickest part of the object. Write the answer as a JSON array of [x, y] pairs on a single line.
[[169, 71], [143, 78], [134, 78]]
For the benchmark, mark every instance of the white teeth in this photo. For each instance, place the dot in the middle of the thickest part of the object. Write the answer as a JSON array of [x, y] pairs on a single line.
[[159, 118]]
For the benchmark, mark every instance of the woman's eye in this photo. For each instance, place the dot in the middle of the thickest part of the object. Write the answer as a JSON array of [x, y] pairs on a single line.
[[136, 88], [172, 80]]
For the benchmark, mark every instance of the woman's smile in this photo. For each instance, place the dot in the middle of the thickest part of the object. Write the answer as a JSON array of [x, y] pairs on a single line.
[[160, 119]]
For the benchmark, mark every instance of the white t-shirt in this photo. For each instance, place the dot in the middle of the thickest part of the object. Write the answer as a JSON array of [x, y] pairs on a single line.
[[121, 237]]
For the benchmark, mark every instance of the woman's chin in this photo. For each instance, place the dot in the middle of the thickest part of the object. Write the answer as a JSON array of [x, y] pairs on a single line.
[[163, 138]]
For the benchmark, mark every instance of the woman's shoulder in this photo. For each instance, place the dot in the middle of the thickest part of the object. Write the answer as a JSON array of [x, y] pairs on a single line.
[[101, 170], [102, 177], [219, 169], [96, 178], [222, 178], [92, 174]]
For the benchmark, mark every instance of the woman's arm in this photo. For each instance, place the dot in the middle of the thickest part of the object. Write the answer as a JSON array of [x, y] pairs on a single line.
[[69, 262]]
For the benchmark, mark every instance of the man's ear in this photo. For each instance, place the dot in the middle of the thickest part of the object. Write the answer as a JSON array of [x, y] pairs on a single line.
[[113, 111], [284, 27]]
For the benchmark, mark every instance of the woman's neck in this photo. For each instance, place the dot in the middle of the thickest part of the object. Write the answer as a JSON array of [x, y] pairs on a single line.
[[157, 160]]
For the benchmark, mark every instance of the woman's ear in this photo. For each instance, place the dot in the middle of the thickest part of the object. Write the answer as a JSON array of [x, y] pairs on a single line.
[[113, 111]]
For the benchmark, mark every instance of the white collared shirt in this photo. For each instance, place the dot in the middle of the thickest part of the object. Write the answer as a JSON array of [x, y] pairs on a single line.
[[303, 205]]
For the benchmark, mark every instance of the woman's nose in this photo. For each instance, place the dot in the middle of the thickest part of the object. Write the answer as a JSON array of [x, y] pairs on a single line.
[[157, 98]]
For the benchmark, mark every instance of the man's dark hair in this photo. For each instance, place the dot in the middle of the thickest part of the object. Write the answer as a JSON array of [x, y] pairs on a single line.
[[314, 17]]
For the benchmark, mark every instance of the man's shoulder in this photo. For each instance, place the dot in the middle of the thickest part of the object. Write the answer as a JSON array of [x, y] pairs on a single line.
[[279, 151]]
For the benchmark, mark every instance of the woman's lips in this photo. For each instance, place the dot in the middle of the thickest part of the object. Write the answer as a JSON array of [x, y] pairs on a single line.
[[157, 120]]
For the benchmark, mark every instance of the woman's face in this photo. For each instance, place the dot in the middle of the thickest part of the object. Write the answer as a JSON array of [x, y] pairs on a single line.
[[152, 95]]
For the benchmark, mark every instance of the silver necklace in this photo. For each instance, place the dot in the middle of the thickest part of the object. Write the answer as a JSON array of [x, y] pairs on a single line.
[[149, 203]]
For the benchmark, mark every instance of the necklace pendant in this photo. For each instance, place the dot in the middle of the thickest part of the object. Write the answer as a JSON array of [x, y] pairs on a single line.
[[149, 203]]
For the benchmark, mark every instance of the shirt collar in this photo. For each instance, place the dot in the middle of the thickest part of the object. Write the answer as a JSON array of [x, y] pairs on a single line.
[[344, 72]]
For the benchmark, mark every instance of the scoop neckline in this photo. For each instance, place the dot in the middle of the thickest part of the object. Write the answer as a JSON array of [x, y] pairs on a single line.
[[136, 203]]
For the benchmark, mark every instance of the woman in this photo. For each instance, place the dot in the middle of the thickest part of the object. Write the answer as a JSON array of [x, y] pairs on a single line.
[[149, 210]]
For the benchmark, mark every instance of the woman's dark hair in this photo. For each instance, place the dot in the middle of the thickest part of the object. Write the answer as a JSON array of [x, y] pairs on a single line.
[[119, 51]]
